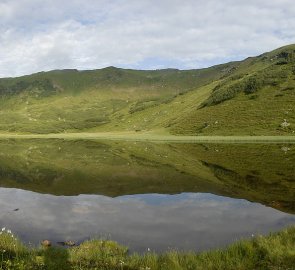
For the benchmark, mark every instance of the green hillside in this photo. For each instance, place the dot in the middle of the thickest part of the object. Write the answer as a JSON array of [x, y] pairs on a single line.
[[251, 97]]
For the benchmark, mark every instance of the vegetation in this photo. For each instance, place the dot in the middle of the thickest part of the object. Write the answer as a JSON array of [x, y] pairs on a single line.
[[251, 97], [275, 252], [269, 76]]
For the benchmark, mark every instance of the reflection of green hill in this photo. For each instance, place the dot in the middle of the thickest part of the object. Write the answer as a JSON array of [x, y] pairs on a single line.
[[260, 173]]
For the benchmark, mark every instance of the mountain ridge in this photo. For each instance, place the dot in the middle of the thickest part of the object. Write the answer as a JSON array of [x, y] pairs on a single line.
[[218, 100]]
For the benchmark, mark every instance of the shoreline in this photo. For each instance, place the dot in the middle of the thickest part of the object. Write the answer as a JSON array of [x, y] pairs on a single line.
[[152, 137], [255, 253]]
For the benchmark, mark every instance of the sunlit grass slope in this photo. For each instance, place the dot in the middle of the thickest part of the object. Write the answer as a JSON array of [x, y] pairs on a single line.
[[251, 97]]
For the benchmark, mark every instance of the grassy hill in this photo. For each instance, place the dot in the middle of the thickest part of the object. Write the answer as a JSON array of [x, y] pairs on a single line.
[[251, 97]]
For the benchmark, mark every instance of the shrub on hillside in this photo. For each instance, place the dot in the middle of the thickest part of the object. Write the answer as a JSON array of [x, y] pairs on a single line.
[[272, 76]]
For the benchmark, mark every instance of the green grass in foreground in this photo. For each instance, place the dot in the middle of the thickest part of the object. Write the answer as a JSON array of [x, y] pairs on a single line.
[[275, 251]]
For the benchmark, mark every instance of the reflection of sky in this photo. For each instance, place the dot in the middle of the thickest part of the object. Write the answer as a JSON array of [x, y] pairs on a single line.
[[162, 199], [185, 221]]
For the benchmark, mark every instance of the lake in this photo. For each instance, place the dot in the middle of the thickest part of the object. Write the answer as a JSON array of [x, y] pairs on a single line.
[[148, 196]]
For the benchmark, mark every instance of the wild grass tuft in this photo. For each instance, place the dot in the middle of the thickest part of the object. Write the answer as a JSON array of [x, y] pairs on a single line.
[[273, 252]]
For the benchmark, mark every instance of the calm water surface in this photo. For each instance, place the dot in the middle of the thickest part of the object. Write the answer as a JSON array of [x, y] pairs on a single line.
[[145, 195]]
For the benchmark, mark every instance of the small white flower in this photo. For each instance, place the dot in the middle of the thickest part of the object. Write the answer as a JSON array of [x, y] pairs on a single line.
[[3, 229]]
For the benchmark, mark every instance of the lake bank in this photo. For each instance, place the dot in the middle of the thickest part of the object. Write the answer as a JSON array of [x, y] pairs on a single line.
[[275, 251], [153, 137]]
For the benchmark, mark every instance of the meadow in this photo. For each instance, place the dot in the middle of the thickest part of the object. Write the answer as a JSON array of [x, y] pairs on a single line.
[[253, 97]]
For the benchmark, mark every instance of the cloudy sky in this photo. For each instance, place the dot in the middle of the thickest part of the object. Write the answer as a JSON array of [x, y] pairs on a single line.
[[38, 35]]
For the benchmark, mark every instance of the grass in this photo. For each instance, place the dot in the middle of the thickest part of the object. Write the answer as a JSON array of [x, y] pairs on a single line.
[[250, 97], [87, 99], [273, 252]]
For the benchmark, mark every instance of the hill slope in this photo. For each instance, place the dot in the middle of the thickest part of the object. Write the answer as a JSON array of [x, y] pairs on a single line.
[[251, 97]]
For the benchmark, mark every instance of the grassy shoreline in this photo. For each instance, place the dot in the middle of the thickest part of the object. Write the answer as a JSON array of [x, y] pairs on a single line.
[[154, 137], [275, 251]]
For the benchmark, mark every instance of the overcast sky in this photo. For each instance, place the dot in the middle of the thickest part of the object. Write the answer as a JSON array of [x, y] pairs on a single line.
[[39, 35]]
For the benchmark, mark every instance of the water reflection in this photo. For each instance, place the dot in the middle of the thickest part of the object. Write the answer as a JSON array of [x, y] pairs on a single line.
[[186, 221], [123, 176], [259, 173]]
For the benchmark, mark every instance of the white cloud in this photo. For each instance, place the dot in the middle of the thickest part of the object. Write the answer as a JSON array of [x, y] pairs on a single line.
[[43, 35]]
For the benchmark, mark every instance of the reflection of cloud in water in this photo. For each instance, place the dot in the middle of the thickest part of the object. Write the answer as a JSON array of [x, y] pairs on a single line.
[[185, 221]]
